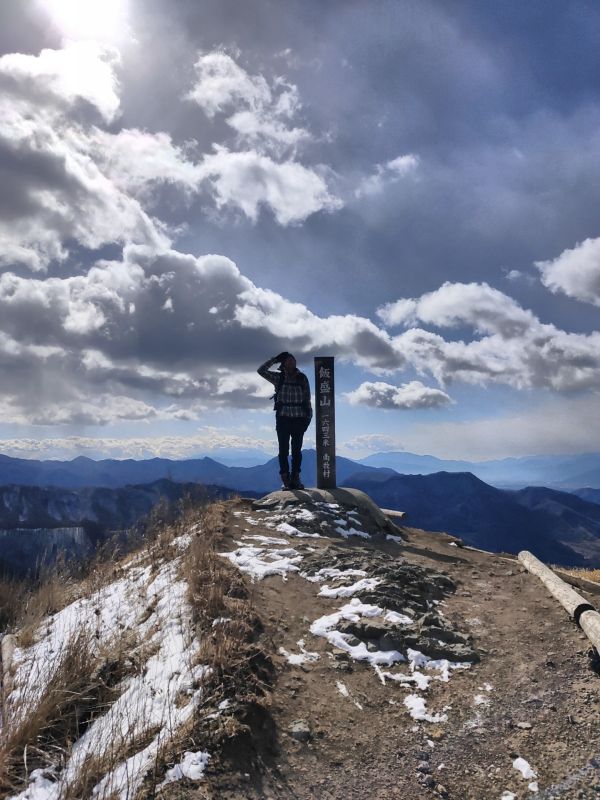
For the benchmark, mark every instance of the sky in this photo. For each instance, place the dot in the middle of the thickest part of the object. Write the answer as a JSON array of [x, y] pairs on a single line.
[[187, 189]]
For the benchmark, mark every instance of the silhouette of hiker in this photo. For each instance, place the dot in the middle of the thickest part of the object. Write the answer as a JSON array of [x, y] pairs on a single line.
[[293, 413]]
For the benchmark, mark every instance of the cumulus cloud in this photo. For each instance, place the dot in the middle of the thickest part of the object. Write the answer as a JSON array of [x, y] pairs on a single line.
[[263, 110], [53, 189], [390, 172], [170, 326], [160, 325], [81, 71], [248, 180], [69, 176], [410, 395], [575, 272], [477, 305], [263, 170], [514, 348]]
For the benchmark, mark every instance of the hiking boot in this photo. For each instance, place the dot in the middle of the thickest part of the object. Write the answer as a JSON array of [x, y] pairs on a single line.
[[285, 480], [295, 482]]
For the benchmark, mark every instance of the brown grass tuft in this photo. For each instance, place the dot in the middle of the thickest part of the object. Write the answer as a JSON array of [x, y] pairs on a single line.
[[43, 725], [582, 572], [240, 670]]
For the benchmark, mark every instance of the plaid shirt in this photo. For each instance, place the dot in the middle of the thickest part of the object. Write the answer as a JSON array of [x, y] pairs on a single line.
[[295, 390]]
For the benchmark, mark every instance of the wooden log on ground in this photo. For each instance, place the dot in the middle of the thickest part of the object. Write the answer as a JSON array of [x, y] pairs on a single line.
[[578, 608]]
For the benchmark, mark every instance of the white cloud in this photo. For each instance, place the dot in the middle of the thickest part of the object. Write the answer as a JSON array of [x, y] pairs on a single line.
[[135, 161], [249, 180], [262, 111], [53, 189], [385, 174], [372, 443], [575, 272], [66, 179], [79, 71], [263, 170], [141, 327], [206, 440], [408, 396], [159, 325], [350, 337], [105, 409], [477, 305], [221, 83], [515, 347]]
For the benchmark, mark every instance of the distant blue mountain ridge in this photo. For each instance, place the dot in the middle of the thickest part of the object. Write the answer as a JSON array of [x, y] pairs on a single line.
[[558, 526], [579, 473], [556, 471], [112, 473]]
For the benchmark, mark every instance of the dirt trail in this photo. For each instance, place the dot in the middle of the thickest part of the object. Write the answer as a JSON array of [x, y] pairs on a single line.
[[533, 694]]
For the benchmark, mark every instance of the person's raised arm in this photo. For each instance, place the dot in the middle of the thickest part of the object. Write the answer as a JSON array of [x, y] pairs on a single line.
[[266, 373]]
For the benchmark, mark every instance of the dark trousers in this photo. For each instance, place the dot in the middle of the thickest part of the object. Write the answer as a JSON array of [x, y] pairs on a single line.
[[290, 428]]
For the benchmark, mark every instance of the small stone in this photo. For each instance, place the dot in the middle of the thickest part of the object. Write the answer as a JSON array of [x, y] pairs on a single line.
[[340, 655], [342, 666], [534, 702], [423, 767], [525, 726], [423, 755], [300, 731], [436, 734], [441, 790], [428, 781]]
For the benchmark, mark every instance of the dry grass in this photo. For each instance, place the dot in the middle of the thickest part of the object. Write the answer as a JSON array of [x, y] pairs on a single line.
[[84, 686], [12, 600], [42, 726], [581, 572], [24, 602], [240, 670]]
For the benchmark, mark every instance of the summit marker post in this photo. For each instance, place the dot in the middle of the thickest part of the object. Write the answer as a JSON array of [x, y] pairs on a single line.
[[325, 421]]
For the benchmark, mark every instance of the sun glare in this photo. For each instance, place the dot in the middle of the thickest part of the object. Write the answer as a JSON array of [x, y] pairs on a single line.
[[101, 20]]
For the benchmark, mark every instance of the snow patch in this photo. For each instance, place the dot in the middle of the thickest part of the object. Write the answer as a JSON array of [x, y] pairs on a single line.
[[332, 572], [259, 562], [417, 708], [192, 767], [353, 611], [348, 591]]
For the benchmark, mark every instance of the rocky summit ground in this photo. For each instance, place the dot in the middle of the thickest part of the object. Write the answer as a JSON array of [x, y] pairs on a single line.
[[407, 667], [302, 646]]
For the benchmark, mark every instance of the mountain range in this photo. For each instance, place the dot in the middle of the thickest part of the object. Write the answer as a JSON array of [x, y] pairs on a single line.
[[558, 527], [250, 470], [561, 471], [101, 496], [112, 473], [39, 523]]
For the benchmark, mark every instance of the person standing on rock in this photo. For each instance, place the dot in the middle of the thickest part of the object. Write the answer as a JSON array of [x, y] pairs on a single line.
[[293, 413]]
